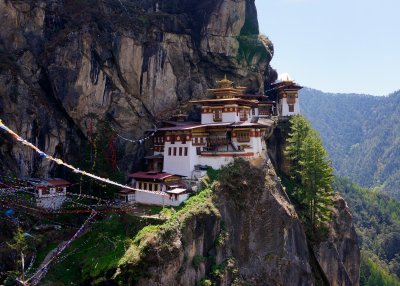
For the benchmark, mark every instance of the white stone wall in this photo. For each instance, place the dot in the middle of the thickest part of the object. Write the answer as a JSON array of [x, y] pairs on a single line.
[[149, 198], [216, 162], [180, 165], [285, 107], [256, 112], [53, 192], [207, 118], [52, 203], [230, 117], [256, 143]]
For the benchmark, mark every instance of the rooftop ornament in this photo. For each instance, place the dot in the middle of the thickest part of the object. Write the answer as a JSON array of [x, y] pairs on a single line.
[[224, 83]]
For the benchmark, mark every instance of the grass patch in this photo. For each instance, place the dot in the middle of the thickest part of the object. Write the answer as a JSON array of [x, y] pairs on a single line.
[[116, 247], [42, 253], [97, 252], [132, 265]]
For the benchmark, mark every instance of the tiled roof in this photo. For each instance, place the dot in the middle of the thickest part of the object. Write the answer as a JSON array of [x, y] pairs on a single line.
[[224, 100], [150, 175], [56, 182]]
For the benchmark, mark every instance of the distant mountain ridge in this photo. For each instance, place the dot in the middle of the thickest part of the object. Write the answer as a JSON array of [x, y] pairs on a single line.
[[361, 134]]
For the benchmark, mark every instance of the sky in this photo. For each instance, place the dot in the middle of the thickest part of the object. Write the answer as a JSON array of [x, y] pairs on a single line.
[[348, 46]]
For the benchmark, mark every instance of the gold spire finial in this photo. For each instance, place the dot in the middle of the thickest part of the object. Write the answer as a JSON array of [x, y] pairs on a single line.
[[180, 117], [224, 82]]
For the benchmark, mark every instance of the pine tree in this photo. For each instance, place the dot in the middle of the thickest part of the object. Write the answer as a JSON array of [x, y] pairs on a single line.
[[299, 129], [311, 170], [20, 245], [316, 179]]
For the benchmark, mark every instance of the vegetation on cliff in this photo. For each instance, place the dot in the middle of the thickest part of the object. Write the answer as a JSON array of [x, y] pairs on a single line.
[[118, 247], [377, 221], [311, 171], [160, 238]]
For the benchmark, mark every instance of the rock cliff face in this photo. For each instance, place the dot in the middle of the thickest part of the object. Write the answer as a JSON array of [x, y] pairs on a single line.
[[339, 255], [66, 64], [249, 235]]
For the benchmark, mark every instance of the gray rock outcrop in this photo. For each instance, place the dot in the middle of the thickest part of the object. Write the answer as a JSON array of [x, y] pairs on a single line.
[[67, 64]]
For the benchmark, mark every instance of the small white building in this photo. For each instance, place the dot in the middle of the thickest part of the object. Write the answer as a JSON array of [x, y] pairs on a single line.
[[287, 96], [51, 193], [155, 188]]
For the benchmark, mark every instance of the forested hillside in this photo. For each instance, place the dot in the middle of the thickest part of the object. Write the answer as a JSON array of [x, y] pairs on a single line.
[[377, 221], [361, 134]]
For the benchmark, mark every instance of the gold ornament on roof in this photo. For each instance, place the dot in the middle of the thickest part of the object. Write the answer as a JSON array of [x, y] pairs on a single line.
[[181, 116], [224, 83]]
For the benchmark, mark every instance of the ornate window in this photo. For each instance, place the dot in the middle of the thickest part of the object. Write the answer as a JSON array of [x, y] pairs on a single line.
[[217, 115], [243, 136], [291, 108], [243, 114]]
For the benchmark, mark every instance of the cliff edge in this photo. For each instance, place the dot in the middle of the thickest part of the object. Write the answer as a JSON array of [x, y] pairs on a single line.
[[244, 231]]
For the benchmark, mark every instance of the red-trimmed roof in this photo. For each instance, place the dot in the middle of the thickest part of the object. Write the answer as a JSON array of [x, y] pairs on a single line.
[[150, 175], [180, 128], [286, 84], [57, 182], [247, 124], [224, 101], [126, 191], [183, 127], [251, 96]]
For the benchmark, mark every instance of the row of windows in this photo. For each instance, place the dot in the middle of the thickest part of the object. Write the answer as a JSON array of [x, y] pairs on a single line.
[[175, 151], [148, 186], [243, 136], [199, 140], [173, 138], [217, 114], [159, 139]]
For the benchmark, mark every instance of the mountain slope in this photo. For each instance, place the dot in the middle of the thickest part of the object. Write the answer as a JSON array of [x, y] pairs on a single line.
[[377, 221], [361, 134]]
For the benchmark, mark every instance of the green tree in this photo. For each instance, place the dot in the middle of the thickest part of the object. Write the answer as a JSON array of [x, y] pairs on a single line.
[[311, 170], [316, 179], [299, 127], [20, 245]]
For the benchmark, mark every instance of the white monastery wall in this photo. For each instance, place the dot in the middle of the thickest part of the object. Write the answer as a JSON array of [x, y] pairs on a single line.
[[53, 203], [216, 162], [229, 117], [158, 199], [207, 118], [180, 165], [285, 108]]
